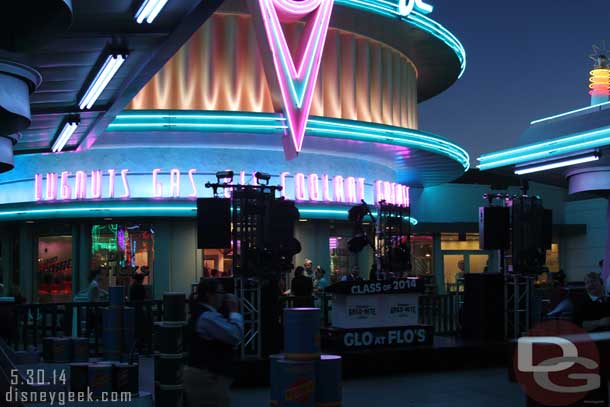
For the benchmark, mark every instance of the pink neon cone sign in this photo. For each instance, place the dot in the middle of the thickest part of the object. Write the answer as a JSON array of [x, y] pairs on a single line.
[[294, 79]]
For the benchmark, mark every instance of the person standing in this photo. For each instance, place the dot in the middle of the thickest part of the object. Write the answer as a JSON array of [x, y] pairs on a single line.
[[320, 282], [354, 275], [593, 311], [216, 329], [308, 268], [301, 288]]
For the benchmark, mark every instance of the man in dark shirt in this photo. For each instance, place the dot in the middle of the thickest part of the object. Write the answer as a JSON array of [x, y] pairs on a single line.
[[302, 288], [593, 312], [214, 337]]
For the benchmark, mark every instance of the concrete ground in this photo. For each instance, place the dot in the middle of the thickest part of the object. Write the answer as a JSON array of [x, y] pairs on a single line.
[[468, 388]]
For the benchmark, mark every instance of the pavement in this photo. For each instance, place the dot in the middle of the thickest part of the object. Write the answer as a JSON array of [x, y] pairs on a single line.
[[468, 388]]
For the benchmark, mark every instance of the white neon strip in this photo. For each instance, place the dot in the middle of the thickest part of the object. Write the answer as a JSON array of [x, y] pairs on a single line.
[[64, 136], [558, 164], [551, 144], [149, 10], [582, 109], [103, 77], [155, 11]]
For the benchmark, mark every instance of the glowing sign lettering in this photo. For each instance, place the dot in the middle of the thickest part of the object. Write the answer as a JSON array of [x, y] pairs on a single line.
[[174, 183], [111, 175], [193, 194], [405, 7], [75, 186], [96, 184], [65, 192], [127, 193], [157, 186]]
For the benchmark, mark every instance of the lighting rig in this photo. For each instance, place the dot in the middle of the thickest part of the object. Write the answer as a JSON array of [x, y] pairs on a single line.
[[391, 237], [262, 236]]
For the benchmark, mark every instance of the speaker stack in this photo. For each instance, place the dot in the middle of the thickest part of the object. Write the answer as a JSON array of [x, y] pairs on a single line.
[[483, 318], [213, 223]]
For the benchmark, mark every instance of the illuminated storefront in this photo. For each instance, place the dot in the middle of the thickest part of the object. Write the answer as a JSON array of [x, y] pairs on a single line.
[[331, 115]]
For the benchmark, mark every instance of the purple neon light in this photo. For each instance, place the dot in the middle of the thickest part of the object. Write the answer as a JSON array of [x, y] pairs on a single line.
[[296, 81]]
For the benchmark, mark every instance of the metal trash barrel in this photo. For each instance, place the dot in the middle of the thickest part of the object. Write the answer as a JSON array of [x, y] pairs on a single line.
[[174, 307], [80, 349], [302, 333], [79, 377], [297, 383], [99, 378], [125, 378], [169, 337], [170, 368], [274, 391], [129, 329], [116, 296], [57, 350], [329, 391], [169, 396]]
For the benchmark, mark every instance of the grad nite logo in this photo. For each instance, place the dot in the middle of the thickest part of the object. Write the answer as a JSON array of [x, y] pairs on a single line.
[[557, 364]]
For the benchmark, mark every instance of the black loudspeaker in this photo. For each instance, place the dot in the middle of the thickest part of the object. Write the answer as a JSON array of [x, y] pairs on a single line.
[[213, 223], [493, 228], [281, 217], [483, 312], [547, 229]]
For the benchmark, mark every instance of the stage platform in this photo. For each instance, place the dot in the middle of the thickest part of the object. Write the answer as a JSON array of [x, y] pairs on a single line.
[[446, 353]]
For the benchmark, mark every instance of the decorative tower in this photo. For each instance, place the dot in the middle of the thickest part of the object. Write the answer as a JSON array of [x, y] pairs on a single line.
[[600, 76]]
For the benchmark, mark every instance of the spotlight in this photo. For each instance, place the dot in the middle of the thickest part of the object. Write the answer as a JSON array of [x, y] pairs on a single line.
[[262, 176], [227, 174]]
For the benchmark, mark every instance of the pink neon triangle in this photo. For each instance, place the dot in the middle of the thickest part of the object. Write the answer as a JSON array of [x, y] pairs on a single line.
[[296, 82]]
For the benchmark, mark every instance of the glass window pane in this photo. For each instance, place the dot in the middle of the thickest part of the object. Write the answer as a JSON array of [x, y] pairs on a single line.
[[217, 263], [54, 276], [422, 253], [123, 250], [478, 263], [453, 268]]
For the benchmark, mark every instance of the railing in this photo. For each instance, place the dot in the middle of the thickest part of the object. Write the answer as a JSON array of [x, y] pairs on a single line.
[[84, 319], [33, 322], [442, 312]]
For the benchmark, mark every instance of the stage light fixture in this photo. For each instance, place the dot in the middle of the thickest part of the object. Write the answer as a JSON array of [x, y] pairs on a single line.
[[224, 175], [67, 129], [110, 67], [262, 177], [149, 10]]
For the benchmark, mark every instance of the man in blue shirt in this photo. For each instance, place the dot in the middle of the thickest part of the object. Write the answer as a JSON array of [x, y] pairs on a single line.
[[216, 330]]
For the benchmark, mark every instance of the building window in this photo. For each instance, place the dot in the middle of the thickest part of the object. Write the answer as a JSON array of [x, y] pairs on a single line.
[[54, 274], [217, 263], [422, 255], [122, 249]]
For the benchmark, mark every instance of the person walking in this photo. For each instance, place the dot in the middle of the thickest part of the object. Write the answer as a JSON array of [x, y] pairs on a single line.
[[216, 329]]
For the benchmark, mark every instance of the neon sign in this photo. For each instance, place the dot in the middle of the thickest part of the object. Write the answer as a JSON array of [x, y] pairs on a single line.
[[293, 79], [310, 188]]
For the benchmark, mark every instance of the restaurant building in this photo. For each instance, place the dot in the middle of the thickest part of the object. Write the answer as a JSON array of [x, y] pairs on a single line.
[[327, 106]]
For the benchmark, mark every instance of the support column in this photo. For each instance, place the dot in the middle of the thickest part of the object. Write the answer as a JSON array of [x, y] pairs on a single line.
[[27, 255], [606, 268], [437, 263], [76, 271], [83, 246]]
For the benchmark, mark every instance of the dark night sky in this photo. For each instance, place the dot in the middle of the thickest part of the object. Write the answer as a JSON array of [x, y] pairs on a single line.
[[526, 60]]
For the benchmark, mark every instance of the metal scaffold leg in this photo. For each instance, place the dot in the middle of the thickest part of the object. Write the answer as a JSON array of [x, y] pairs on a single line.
[[249, 293]]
